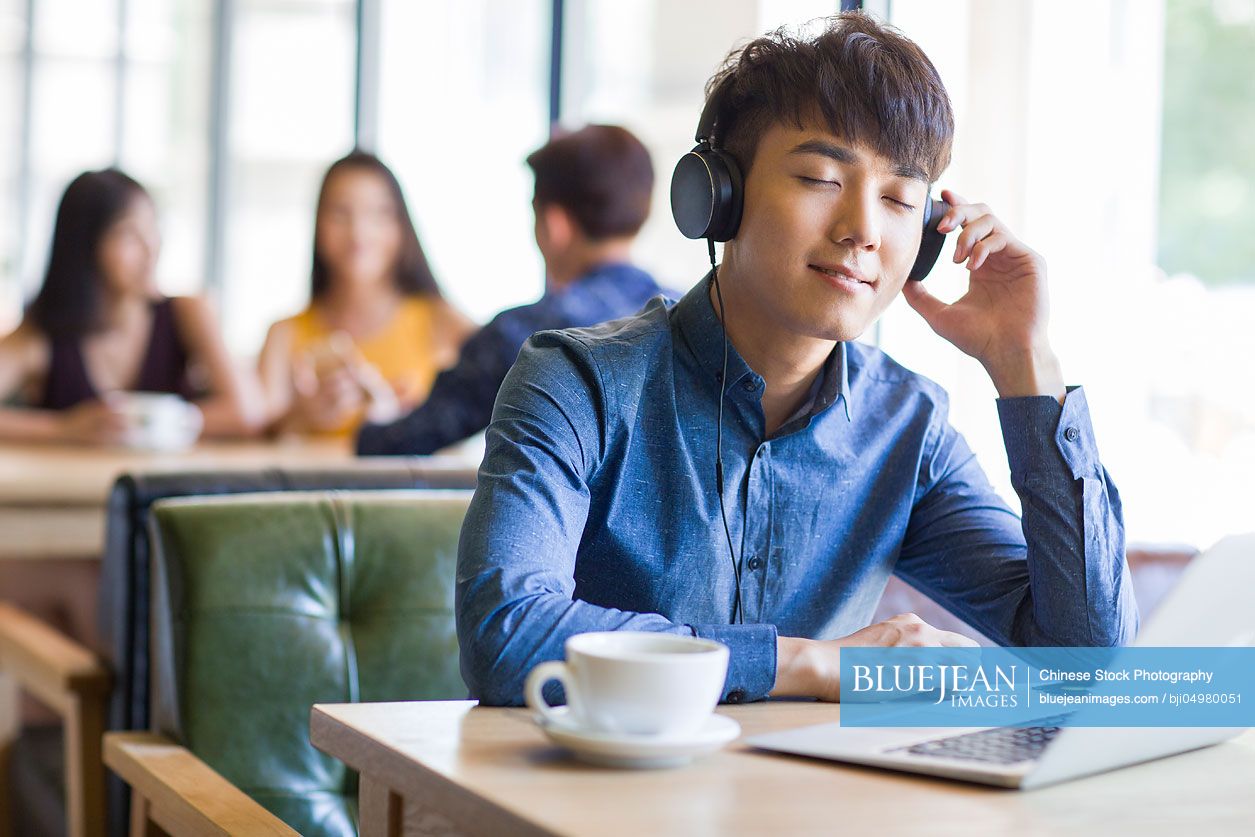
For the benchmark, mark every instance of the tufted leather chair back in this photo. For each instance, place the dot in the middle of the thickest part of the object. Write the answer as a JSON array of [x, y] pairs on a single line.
[[124, 593], [266, 604]]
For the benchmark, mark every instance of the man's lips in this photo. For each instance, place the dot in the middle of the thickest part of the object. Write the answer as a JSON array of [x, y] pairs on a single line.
[[840, 272]]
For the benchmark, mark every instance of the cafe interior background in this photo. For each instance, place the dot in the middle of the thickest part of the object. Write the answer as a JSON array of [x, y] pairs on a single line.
[[1112, 136], [1106, 134]]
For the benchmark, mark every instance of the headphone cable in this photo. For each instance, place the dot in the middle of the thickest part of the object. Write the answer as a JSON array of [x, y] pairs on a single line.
[[737, 611]]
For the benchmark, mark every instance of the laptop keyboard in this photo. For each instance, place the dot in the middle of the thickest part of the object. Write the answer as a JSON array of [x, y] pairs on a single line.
[[1002, 745]]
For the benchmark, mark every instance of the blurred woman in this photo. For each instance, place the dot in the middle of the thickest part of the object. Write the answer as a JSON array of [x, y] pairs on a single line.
[[99, 328], [377, 329]]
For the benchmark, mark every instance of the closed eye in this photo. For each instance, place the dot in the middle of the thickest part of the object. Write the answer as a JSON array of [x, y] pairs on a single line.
[[815, 181], [907, 206]]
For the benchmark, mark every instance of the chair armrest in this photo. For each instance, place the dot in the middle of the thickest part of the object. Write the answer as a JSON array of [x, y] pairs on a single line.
[[56, 669], [183, 794]]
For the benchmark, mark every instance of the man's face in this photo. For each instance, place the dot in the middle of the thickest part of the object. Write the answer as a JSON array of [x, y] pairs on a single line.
[[829, 232]]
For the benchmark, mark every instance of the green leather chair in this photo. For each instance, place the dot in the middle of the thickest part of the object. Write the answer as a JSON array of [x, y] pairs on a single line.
[[266, 604]]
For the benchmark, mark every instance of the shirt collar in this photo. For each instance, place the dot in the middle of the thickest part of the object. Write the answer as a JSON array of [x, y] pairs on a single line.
[[702, 331]]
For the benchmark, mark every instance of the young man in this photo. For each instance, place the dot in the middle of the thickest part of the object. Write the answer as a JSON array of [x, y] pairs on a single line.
[[597, 506], [592, 196]]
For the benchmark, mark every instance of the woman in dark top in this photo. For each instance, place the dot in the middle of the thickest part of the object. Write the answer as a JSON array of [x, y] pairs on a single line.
[[99, 326]]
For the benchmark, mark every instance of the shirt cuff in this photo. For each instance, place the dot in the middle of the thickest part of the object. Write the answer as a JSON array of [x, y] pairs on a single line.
[[751, 659], [1043, 436]]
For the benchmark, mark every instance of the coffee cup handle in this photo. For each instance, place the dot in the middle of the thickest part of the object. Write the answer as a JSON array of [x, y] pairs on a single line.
[[536, 680]]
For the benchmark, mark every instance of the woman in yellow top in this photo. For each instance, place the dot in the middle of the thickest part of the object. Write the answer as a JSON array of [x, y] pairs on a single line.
[[377, 330]]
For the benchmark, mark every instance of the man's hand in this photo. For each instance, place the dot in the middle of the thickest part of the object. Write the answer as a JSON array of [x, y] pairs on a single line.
[[1001, 320], [812, 668]]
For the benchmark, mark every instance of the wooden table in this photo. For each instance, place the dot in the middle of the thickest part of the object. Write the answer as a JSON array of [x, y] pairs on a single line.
[[52, 497], [454, 768]]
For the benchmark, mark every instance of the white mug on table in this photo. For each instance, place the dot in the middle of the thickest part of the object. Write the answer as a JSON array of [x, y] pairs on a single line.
[[637, 683], [157, 420]]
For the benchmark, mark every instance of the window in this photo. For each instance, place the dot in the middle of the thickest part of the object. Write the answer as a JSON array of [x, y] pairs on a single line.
[[291, 71], [645, 66], [73, 112], [12, 44], [463, 100], [111, 83], [164, 133], [1207, 174], [1059, 129]]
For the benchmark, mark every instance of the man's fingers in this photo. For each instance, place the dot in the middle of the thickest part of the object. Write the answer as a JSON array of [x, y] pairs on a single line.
[[960, 214], [947, 222], [915, 631], [985, 248], [973, 232]]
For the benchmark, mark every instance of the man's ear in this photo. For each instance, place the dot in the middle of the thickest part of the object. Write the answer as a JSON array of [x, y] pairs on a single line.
[[557, 225]]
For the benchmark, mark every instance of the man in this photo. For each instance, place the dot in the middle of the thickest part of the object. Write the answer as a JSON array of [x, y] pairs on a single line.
[[592, 196], [598, 508]]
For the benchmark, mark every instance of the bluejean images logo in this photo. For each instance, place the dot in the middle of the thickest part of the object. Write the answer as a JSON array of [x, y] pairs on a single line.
[[971, 687], [959, 685]]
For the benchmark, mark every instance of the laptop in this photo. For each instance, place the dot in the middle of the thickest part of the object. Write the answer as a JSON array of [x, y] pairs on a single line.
[[1209, 606]]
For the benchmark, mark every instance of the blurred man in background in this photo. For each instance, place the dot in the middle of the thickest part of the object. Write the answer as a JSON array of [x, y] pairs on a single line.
[[592, 196]]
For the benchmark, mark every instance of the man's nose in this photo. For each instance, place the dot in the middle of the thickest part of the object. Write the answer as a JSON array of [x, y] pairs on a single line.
[[856, 220]]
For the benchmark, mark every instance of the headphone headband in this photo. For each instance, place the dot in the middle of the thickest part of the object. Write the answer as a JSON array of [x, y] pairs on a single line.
[[706, 124], [706, 187]]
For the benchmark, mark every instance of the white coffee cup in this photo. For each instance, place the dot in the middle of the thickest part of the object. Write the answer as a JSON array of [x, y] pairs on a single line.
[[157, 420], [636, 683]]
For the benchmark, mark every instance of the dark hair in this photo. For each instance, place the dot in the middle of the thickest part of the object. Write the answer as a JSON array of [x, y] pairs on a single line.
[[69, 301], [866, 80], [412, 273], [601, 174]]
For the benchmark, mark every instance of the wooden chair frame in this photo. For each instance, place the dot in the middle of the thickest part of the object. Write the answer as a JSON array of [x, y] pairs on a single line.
[[72, 682]]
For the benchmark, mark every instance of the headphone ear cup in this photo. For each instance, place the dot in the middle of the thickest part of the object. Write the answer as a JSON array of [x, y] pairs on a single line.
[[706, 194], [732, 198], [931, 242]]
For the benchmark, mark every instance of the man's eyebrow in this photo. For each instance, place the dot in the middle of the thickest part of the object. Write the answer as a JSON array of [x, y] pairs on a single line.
[[844, 155]]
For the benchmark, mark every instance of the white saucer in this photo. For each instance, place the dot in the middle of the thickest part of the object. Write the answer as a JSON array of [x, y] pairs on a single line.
[[640, 751]]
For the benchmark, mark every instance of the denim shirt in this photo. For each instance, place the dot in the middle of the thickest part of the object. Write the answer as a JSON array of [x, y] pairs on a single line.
[[596, 507], [461, 398]]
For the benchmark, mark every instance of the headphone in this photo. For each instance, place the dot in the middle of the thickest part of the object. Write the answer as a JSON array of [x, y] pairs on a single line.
[[708, 195]]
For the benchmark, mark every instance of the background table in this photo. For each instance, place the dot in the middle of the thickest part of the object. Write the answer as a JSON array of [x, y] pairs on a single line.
[[455, 768], [52, 497]]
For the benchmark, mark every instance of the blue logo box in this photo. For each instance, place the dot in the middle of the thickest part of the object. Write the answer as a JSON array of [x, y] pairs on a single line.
[[1093, 687]]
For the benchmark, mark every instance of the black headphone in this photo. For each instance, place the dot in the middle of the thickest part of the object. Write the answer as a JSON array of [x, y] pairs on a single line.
[[708, 194]]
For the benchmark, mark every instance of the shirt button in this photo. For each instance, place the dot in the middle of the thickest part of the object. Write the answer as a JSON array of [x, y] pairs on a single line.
[[1071, 434], [755, 563], [749, 386], [736, 696]]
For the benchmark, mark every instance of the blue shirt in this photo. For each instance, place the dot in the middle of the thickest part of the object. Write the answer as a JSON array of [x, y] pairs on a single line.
[[596, 506], [461, 398]]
